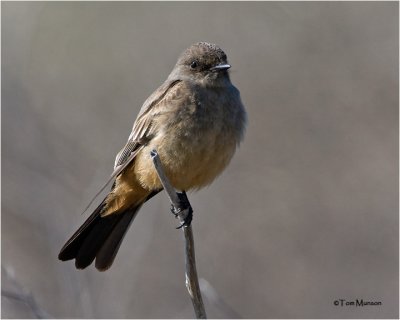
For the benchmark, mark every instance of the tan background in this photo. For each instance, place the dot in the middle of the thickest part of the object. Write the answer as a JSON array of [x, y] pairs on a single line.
[[306, 213]]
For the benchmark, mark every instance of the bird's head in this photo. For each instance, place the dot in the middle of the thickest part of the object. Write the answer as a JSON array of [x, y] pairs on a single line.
[[203, 62]]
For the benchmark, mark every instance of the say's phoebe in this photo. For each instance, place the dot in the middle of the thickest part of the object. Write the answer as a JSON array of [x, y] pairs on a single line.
[[195, 121]]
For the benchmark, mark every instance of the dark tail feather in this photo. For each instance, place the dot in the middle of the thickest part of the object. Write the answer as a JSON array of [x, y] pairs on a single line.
[[99, 238], [109, 229], [106, 255], [98, 232], [70, 250]]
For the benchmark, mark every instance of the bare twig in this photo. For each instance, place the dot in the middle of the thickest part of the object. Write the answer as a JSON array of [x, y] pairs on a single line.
[[23, 296], [192, 282]]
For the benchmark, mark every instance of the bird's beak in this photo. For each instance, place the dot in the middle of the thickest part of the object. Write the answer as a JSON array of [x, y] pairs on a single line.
[[221, 67]]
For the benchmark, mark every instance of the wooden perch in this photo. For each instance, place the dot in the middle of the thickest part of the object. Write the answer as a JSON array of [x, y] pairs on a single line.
[[183, 210]]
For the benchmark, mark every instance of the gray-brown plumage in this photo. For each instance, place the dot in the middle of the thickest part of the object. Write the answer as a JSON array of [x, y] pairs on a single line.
[[195, 120]]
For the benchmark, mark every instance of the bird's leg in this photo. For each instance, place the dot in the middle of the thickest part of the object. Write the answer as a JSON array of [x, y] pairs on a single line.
[[184, 212]]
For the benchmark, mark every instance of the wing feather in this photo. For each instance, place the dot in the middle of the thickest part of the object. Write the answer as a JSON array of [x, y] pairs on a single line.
[[140, 135], [143, 124]]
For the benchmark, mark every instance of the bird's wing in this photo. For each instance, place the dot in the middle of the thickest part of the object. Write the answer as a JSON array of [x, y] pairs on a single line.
[[141, 133], [142, 129]]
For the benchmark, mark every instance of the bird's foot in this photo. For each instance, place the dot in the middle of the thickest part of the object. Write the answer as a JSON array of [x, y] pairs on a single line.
[[184, 212]]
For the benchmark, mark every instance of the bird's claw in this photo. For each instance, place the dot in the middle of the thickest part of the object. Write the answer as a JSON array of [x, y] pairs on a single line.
[[184, 205], [188, 219]]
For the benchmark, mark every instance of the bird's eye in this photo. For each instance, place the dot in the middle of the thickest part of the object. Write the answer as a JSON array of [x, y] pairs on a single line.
[[194, 64]]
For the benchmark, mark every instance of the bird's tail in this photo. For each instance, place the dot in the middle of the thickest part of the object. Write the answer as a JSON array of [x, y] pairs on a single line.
[[98, 238]]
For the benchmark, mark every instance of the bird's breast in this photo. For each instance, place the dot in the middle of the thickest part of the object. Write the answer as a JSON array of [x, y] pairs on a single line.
[[195, 142]]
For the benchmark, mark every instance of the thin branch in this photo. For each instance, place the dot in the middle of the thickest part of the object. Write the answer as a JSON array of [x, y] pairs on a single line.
[[182, 211], [23, 296]]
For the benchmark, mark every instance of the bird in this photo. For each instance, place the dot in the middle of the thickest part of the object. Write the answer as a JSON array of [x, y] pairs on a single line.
[[195, 121]]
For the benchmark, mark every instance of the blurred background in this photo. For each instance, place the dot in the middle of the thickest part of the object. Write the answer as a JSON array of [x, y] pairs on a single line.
[[307, 211]]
